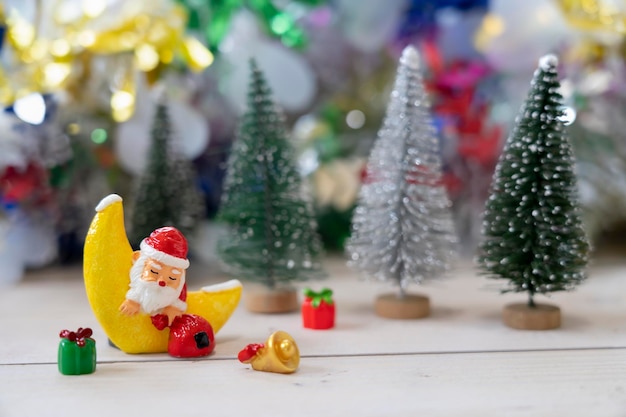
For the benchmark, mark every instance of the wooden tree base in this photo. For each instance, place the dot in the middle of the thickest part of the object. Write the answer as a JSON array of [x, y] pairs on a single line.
[[541, 317], [411, 306], [261, 300]]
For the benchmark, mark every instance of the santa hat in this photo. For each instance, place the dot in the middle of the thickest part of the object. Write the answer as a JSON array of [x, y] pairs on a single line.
[[166, 245]]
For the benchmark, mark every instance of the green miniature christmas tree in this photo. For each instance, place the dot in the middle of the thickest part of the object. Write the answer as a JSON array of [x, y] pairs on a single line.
[[274, 239], [167, 194], [533, 232]]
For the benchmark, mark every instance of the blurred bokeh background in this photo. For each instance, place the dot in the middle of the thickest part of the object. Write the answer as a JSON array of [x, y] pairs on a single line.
[[80, 81]]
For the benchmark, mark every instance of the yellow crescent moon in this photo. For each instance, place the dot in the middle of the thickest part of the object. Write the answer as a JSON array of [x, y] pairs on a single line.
[[106, 268]]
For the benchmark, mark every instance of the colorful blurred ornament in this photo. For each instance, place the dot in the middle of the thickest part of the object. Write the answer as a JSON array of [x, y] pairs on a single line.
[[55, 54], [334, 227], [288, 73], [29, 184], [155, 35], [214, 18], [23, 143], [27, 240], [30, 109], [189, 128], [594, 89], [472, 140], [420, 16], [371, 25], [37, 237], [10, 254], [279, 354], [595, 15], [513, 47], [454, 32], [337, 183]]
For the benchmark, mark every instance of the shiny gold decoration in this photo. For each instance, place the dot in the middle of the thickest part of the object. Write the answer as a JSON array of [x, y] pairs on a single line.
[[93, 8], [595, 15], [6, 92], [196, 55], [146, 57], [20, 33], [43, 64], [587, 50], [123, 90], [280, 355]]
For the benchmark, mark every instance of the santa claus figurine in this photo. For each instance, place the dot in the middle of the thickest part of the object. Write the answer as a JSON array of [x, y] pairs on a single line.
[[158, 288], [157, 277]]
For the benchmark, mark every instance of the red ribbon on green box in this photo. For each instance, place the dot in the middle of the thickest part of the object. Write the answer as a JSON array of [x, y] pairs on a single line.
[[78, 336], [326, 295]]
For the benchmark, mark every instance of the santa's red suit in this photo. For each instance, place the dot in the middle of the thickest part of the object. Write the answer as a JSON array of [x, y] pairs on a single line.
[[160, 321]]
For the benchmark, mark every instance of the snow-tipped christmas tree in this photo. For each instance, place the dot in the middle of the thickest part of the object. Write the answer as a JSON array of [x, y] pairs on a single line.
[[403, 230], [167, 194], [273, 238], [532, 227]]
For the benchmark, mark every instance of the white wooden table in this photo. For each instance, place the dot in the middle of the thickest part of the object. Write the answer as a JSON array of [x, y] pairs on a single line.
[[460, 361]]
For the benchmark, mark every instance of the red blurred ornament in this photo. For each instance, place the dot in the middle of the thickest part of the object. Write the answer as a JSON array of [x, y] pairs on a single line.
[[31, 183], [452, 182], [453, 87]]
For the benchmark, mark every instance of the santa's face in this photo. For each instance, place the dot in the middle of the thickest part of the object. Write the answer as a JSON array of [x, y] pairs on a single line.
[[164, 275], [154, 284]]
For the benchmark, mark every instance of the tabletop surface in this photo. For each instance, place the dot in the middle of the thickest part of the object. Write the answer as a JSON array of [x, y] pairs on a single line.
[[461, 360]]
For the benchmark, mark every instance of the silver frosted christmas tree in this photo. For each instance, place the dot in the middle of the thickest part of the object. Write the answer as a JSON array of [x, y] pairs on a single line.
[[402, 230]]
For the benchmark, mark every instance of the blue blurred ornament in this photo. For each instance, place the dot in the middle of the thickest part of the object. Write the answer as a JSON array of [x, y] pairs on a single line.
[[3, 30], [420, 15]]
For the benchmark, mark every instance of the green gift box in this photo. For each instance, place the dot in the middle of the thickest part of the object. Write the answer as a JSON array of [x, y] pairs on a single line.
[[77, 352]]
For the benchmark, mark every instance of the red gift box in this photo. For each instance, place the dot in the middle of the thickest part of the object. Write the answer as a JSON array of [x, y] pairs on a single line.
[[318, 309]]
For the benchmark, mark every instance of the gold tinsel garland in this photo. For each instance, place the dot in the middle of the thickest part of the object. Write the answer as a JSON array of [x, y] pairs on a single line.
[[37, 62]]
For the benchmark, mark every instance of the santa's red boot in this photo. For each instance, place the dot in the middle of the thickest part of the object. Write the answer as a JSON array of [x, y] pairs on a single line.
[[191, 336]]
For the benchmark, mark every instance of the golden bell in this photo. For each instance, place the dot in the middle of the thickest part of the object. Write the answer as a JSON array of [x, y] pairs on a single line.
[[279, 354]]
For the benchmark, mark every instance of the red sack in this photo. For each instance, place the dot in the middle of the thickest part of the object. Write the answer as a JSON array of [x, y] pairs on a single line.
[[191, 336]]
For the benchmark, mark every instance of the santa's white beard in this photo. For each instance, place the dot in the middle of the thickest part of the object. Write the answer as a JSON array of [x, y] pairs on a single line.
[[149, 294]]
